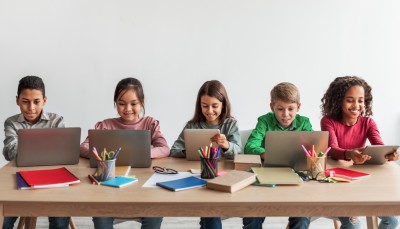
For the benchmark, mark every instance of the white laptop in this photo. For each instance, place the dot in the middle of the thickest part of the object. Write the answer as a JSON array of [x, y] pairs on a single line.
[[283, 148], [48, 146], [196, 138], [135, 146]]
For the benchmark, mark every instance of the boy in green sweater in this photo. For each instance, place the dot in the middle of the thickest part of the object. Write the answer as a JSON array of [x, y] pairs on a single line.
[[285, 103]]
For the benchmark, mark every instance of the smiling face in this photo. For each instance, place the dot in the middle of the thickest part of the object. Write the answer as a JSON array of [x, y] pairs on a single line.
[[211, 108], [129, 106], [353, 104], [31, 102], [285, 112]]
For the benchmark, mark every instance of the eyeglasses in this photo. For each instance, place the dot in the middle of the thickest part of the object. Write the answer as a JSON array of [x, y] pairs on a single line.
[[164, 170]]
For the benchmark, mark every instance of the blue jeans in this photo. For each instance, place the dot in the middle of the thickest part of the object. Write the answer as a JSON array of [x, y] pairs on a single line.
[[107, 222], [210, 223], [54, 222], [294, 222], [253, 222], [387, 222]]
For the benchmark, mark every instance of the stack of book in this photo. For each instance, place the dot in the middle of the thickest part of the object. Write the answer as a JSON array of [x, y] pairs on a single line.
[[232, 181], [45, 178]]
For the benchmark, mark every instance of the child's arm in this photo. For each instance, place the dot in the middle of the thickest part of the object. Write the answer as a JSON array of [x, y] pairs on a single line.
[[10, 141], [159, 145], [178, 148], [255, 143], [229, 140]]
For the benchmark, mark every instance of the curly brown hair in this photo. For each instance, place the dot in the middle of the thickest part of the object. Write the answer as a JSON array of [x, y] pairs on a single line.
[[334, 96]]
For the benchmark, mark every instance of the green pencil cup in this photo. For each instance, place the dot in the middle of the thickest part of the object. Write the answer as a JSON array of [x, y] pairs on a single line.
[[105, 170]]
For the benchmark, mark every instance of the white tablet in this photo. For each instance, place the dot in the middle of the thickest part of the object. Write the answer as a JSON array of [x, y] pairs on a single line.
[[196, 138], [378, 153]]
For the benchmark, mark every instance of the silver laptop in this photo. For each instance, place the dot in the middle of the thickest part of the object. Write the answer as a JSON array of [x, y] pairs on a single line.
[[135, 146], [48, 146], [283, 148], [196, 138]]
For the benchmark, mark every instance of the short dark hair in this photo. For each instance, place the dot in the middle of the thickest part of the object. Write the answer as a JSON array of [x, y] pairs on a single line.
[[126, 84], [212, 88], [334, 96], [31, 82]]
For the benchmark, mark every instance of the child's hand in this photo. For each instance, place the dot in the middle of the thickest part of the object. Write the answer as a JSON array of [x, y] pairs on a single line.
[[392, 156], [221, 140], [357, 156]]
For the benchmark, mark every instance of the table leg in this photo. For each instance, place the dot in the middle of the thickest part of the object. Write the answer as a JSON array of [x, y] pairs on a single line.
[[1, 214], [372, 222]]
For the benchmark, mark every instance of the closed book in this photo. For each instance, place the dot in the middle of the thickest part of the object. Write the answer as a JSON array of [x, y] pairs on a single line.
[[122, 170], [182, 184], [48, 178], [345, 173], [277, 176], [22, 185], [245, 161], [232, 181], [119, 182]]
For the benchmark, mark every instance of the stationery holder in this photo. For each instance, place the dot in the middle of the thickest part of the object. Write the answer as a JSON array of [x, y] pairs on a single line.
[[316, 166], [105, 170], [209, 168]]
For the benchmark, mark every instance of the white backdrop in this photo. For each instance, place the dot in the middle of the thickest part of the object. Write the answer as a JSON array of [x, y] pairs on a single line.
[[83, 48]]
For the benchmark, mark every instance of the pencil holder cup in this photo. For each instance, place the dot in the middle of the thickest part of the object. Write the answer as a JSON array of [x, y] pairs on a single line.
[[316, 166], [105, 170], [209, 168]]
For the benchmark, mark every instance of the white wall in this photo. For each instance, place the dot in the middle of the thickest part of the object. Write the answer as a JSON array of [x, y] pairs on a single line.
[[83, 48]]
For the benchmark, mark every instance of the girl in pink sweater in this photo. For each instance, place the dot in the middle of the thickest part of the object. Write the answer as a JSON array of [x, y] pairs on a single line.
[[129, 101], [346, 109]]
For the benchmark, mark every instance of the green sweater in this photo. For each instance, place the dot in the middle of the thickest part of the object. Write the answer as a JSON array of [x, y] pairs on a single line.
[[268, 122], [229, 127]]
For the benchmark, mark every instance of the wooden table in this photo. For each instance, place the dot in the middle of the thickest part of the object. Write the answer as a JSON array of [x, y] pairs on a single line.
[[378, 194]]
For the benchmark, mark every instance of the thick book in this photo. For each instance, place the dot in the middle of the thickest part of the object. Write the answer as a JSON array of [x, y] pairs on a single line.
[[345, 173], [122, 170], [244, 162], [277, 176], [22, 185], [182, 184], [232, 181], [48, 178], [119, 182]]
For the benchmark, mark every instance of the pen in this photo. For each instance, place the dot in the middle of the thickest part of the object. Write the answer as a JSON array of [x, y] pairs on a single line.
[[305, 151], [93, 180], [116, 153], [327, 150]]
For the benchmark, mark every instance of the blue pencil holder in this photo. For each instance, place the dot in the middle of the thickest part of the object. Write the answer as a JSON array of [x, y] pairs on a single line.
[[105, 170]]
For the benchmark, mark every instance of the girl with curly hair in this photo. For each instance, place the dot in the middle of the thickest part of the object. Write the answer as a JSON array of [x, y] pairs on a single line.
[[347, 109]]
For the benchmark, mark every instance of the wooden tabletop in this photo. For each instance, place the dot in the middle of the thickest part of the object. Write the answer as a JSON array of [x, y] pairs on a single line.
[[378, 194]]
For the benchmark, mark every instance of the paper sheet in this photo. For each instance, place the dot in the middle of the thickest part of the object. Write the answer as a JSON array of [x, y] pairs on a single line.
[[156, 177]]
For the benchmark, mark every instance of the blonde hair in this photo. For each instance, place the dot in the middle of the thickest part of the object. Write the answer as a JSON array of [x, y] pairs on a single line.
[[287, 92]]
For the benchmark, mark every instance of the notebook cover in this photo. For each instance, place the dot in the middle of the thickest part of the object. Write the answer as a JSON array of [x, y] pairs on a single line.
[[277, 176], [22, 185], [182, 184], [119, 182], [346, 173], [232, 181], [47, 178]]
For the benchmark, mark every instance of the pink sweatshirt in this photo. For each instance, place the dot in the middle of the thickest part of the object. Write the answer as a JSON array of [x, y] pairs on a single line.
[[159, 146], [342, 137]]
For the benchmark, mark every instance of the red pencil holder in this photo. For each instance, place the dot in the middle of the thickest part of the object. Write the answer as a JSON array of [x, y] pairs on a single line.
[[209, 168]]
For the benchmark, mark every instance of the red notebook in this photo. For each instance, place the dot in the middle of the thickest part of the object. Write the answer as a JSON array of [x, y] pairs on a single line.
[[47, 178], [346, 173]]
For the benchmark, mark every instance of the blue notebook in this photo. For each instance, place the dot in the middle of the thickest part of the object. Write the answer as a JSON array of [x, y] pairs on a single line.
[[182, 184], [119, 182]]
